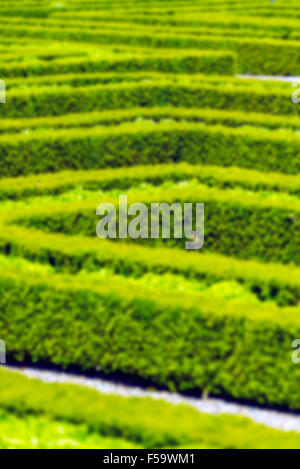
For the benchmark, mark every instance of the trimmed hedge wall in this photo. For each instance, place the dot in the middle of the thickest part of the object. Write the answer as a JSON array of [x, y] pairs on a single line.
[[158, 114], [38, 102], [182, 62], [274, 282], [180, 342], [187, 22], [183, 79], [123, 178], [267, 228], [257, 85], [285, 27], [148, 143], [83, 79], [14, 58], [257, 56], [136, 418]]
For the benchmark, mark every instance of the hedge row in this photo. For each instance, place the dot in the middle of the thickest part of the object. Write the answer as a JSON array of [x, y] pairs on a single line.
[[37, 102], [11, 45], [148, 23], [26, 12], [83, 79], [111, 23], [124, 178], [268, 228], [292, 12], [230, 348], [190, 31], [217, 21], [273, 282], [285, 26], [122, 8], [182, 62], [39, 432], [35, 53], [117, 77], [29, 10], [148, 143], [158, 114], [91, 21], [136, 418], [257, 56], [245, 9]]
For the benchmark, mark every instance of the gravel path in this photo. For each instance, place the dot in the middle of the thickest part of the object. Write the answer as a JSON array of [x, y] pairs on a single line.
[[271, 78], [272, 418]]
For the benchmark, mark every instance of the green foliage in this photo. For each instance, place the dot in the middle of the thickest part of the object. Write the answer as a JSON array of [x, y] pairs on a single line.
[[220, 346], [124, 178], [214, 94], [133, 419], [270, 222], [269, 282], [157, 114], [96, 93], [35, 432], [148, 143], [182, 62], [255, 55]]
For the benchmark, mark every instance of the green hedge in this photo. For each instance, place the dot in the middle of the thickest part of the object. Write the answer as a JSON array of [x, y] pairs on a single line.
[[217, 21], [283, 26], [273, 282], [148, 143], [39, 432], [268, 228], [83, 79], [183, 62], [125, 177], [292, 12], [111, 23], [16, 57], [22, 11], [152, 19], [107, 21], [157, 114], [181, 342], [38, 102], [254, 55], [135, 419]]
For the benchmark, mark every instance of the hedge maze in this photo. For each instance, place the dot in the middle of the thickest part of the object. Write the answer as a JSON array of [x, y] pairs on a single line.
[[145, 99]]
